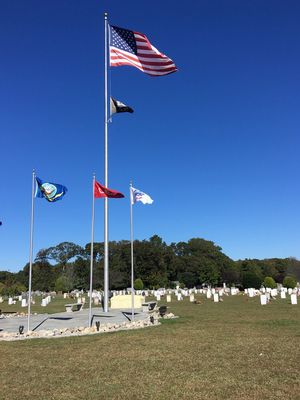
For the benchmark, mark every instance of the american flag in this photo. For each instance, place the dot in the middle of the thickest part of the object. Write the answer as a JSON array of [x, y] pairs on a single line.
[[133, 48], [138, 195]]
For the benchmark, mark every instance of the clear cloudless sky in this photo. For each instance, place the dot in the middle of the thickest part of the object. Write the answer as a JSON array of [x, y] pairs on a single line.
[[216, 144]]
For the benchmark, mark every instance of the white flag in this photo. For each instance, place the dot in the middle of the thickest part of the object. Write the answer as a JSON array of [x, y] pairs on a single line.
[[137, 195]]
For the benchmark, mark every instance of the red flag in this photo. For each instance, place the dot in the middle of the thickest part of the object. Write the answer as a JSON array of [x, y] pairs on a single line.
[[102, 191]]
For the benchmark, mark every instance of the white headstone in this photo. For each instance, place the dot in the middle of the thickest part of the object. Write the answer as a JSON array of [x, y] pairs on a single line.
[[208, 294], [158, 297], [216, 297], [263, 299], [290, 291], [283, 294], [168, 298], [65, 295], [24, 303], [20, 298], [1, 299], [44, 303], [293, 298], [192, 297], [274, 292], [10, 301]]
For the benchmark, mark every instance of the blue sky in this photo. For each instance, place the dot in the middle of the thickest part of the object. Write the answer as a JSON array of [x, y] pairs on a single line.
[[216, 144]]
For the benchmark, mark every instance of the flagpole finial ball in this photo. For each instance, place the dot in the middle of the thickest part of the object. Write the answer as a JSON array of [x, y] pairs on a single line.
[[105, 15]]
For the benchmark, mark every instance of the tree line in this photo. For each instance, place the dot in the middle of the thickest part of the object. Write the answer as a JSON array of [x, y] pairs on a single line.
[[194, 263]]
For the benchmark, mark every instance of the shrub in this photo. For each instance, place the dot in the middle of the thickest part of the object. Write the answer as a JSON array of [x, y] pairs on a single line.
[[138, 284], [290, 282], [269, 282]]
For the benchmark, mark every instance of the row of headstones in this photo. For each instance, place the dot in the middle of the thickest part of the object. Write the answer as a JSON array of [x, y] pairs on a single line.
[[187, 292], [215, 295], [266, 294], [79, 298], [265, 298], [273, 292], [24, 303]]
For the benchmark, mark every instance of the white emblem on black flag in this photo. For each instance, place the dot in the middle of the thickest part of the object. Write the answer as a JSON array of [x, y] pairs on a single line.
[[117, 106]]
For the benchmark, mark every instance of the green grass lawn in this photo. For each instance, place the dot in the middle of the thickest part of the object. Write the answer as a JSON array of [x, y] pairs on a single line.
[[236, 349]]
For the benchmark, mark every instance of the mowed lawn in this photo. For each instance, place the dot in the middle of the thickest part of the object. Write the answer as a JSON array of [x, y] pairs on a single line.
[[236, 349]]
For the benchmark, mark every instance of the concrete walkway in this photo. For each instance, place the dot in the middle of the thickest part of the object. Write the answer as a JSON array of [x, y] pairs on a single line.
[[70, 320]]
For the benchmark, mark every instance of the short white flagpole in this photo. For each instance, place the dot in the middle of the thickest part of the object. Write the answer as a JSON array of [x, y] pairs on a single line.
[[106, 261], [92, 254], [30, 251], [131, 241]]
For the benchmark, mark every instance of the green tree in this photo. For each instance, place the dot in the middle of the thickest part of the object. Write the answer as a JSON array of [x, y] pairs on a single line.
[[138, 284], [63, 284], [251, 279], [62, 253], [290, 282], [43, 276], [269, 282], [293, 267], [80, 273], [2, 289]]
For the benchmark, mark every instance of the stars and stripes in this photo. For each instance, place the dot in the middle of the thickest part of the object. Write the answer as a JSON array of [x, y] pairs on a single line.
[[133, 48]]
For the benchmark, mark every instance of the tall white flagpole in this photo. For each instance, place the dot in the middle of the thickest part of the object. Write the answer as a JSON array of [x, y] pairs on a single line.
[[131, 241], [106, 266], [92, 254], [30, 251]]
